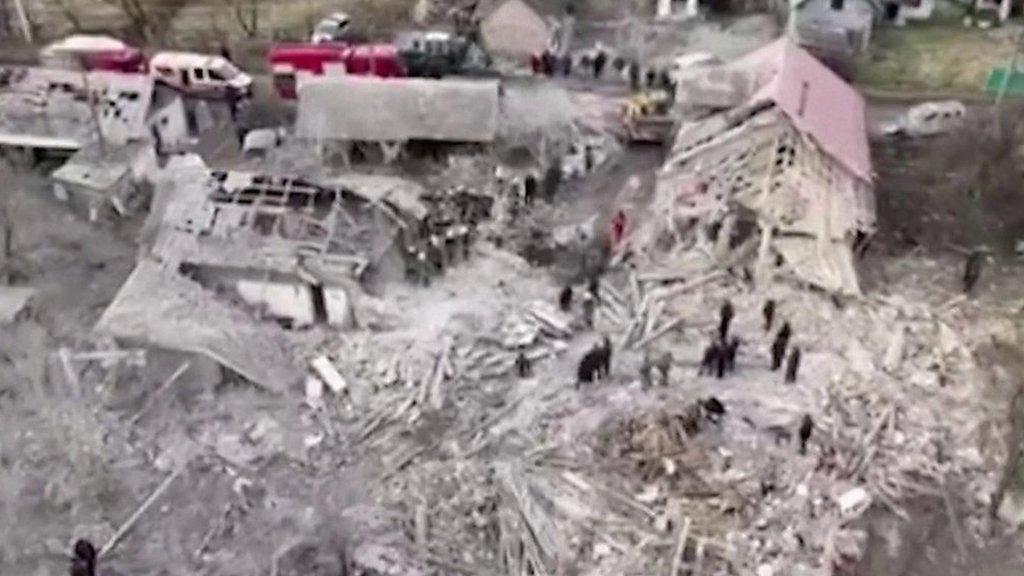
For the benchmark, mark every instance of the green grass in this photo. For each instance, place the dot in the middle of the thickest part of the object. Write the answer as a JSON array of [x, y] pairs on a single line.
[[936, 56]]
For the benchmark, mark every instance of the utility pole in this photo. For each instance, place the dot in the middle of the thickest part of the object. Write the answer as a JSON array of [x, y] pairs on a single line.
[[26, 27]]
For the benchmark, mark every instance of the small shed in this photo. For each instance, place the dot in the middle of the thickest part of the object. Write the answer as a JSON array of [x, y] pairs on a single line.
[[514, 29], [96, 182]]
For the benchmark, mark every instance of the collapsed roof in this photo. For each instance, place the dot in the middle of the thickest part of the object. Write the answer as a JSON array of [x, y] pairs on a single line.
[[159, 307], [365, 109], [288, 225]]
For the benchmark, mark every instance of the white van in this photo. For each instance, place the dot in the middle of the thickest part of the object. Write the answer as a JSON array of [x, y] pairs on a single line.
[[200, 74]]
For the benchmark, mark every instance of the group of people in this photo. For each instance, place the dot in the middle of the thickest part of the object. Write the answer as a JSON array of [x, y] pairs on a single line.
[[720, 355], [522, 191], [444, 236], [596, 65], [589, 300]]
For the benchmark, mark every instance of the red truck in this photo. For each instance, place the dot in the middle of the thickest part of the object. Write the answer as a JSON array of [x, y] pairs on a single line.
[[287, 60]]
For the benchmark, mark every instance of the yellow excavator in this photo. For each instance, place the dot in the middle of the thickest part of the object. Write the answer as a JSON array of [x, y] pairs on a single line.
[[646, 117]]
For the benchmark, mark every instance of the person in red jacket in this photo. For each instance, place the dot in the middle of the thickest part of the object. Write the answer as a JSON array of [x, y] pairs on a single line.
[[619, 222]]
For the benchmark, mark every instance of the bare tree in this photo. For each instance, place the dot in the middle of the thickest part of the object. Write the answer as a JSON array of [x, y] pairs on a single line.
[[70, 13], [247, 14], [138, 14]]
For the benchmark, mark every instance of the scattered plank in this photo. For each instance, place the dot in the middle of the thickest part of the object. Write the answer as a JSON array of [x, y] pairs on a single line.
[[674, 291], [159, 391], [664, 329], [329, 374], [677, 555], [146, 505]]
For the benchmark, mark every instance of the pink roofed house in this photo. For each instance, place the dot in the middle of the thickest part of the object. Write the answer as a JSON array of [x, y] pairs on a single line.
[[786, 174]]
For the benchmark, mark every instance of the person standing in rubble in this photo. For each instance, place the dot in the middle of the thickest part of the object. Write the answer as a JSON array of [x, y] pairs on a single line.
[[552, 178], [793, 365], [972, 270], [423, 264], [725, 316], [646, 369], [565, 299], [664, 366], [83, 559], [524, 369], [600, 60], [619, 222], [529, 189], [769, 314], [589, 307]]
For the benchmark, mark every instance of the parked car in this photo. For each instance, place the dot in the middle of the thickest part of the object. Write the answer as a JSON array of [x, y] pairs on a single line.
[[928, 119], [93, 52], [289, 60], [334, 28], [203, 75]]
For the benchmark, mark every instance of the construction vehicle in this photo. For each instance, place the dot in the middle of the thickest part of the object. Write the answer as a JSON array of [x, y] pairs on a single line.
[[647, 118]]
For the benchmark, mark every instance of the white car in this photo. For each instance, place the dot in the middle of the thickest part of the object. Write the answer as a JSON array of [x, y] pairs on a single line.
[[333, 28], [200, 74], [928, 119]]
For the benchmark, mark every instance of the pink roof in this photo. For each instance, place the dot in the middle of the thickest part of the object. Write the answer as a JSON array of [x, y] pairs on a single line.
[[815, 99]]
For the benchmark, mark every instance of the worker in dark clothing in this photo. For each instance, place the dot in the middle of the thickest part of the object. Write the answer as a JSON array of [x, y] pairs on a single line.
[[523, 365], [793, 365], [785, 333], [650, 77], [710, 359], [566, 65], [806, 427], [565, 299], [731, 350], [529, 189], [725, 316], [769, 314], [600, 60], [83, 560], [233, 97], [972, 270], [552, 178], [778, 353]]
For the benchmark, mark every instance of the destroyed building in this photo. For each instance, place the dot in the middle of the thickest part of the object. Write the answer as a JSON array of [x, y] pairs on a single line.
[[62, 110], [232, 249], [786, 174], [285, 245], [107, 123]]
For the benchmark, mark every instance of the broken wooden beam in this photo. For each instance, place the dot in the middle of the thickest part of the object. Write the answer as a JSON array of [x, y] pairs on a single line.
[[329, 374], [167, 383], [664, 329], [146, 505], [677, 555]]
